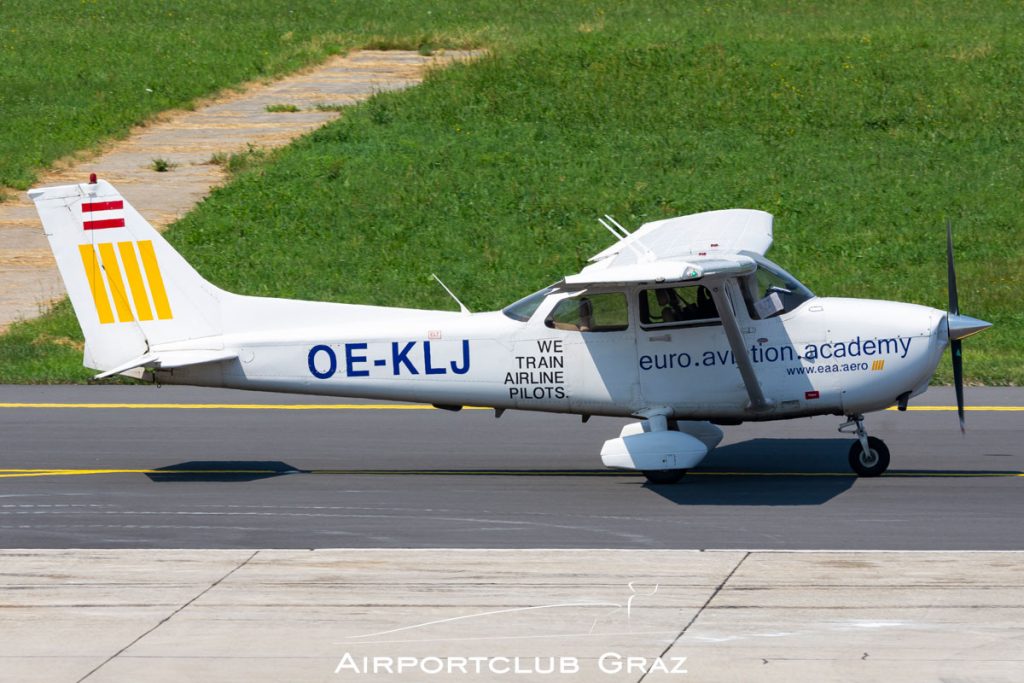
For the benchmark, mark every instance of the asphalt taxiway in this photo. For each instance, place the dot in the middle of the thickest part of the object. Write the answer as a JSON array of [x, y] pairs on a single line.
[[173, 467]]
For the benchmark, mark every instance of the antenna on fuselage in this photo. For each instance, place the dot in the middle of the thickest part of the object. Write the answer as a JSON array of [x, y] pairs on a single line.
[[462, 306]]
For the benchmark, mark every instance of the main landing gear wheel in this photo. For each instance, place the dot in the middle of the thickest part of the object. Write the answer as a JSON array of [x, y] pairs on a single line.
[[664, 476], [872, 463]]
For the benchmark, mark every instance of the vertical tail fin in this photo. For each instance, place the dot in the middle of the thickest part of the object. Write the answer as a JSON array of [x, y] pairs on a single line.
[[130, 289]]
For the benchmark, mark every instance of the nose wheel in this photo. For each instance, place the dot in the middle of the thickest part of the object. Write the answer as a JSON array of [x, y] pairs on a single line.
[[869, 456]]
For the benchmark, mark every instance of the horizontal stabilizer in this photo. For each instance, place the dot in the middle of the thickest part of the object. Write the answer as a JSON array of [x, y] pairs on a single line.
[[165, 360]]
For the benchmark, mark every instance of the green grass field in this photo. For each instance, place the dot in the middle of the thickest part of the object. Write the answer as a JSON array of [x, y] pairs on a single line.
[[861, 127], [74, 75]]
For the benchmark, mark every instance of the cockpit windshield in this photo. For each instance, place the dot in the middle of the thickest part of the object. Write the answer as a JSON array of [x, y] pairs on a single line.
[[770, 291], [524, 309]]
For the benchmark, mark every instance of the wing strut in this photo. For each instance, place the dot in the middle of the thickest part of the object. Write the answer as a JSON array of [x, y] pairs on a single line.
[[758, 402]]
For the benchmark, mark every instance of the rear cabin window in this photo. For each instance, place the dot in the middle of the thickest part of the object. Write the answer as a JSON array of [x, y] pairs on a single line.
[[604, 312], [677, 306]]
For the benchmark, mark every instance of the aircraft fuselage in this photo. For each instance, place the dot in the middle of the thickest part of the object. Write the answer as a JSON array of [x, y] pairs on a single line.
[[828, 356]]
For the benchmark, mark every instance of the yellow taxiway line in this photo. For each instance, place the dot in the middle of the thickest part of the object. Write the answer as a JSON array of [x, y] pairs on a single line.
[[356, 406], [994, 409], [64, 472], [232, 406], [59, 472]]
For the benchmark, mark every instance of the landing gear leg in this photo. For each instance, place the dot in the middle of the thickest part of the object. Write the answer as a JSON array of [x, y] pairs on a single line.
[[869, 456]]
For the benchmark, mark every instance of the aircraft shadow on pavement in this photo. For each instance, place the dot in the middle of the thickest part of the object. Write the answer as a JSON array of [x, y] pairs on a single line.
[[770, 456], [766, 472], [221, 471]]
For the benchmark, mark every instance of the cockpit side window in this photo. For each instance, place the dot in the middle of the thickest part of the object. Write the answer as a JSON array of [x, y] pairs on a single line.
[[677, 306], [601, 312], [769, 293]]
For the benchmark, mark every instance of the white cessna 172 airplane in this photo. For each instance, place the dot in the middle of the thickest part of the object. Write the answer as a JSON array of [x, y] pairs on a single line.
[[683, 324]]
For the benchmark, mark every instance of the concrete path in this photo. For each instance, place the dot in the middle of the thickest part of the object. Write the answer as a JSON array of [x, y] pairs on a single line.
[[29, 282], [598, 615]]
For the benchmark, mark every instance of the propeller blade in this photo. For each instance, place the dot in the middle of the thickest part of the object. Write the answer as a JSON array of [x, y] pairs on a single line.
[[956, 347], [954, 301], [958, 326]]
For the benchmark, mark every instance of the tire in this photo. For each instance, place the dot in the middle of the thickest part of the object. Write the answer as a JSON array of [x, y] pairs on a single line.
[[872, 465], [664, 476]]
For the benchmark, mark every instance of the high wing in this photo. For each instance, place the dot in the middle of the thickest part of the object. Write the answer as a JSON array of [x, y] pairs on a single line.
[[728, 230], [713, 243], [662, 271]]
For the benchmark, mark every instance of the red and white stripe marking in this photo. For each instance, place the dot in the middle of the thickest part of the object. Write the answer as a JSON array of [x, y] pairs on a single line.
[[101, 215]]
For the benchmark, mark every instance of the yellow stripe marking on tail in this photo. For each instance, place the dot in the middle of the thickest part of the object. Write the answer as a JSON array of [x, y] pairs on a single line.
[[96, 286], [156, 281], [116, 282], [131, 269]]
